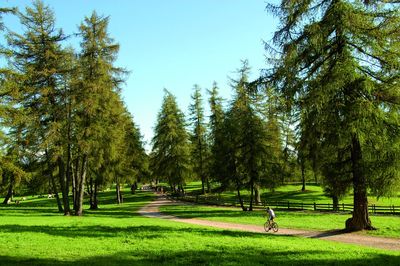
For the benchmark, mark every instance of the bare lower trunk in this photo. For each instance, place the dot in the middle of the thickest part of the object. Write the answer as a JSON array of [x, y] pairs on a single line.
[[55, 191], [257, 195], [81, 187], [90, 191], [75, 175], [251, 195], [303, 177], [208, 185], [64, 185], [335, 202], [239, 196], [360, 219], [95, 201], [9, 195], [203, 185], [119, 194]]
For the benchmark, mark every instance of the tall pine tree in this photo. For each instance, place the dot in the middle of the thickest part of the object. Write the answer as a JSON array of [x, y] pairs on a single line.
[[171, 150], [344, 56]]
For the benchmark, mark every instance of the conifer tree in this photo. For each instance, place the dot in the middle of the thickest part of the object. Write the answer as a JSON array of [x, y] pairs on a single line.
[[248, 146], [344, 56], [200, 149], [37, 58], [171, 150], [98, 92], [216, 136]]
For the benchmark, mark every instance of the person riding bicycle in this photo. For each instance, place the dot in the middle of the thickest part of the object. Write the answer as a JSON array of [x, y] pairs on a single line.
[[271, 215]]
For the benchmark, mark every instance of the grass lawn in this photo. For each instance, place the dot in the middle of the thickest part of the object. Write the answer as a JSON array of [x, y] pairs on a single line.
[[293, 193], [389, 226], [33, 233]]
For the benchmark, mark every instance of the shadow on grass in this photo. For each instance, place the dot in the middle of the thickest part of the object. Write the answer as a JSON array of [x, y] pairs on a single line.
[[107, 206], [144, 231], [232, 256]]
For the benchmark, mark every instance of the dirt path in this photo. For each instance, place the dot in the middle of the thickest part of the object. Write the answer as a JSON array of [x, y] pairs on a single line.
[[152, 210]]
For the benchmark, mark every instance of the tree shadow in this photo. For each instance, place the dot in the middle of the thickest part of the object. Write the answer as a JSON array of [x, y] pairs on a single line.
[[222, 256], [145, 231]]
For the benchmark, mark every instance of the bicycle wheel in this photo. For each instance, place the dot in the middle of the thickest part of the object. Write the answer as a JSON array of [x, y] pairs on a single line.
[[274, 227], [266, 227]]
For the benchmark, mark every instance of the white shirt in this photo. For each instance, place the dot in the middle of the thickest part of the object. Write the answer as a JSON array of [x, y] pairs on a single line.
[[271, 214]]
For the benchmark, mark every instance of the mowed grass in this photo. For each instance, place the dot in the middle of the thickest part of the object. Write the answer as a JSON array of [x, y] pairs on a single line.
[[293, 193], [388, 226], [33, 233]]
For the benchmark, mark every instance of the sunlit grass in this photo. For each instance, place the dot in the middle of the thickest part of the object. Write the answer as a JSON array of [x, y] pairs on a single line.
[[293, 193], [35, 234], [389, 226]]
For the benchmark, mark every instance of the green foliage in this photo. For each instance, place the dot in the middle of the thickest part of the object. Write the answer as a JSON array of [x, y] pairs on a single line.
[[251, 147], [199, 144], [64, 110], [170, 158], [339, 65]]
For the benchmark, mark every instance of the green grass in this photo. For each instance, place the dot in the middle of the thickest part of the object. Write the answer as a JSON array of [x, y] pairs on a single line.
[[33, 233], [388, 226], [293, 193]]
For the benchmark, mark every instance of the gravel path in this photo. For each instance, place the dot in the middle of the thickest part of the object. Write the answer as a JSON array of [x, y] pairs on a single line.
[[152, 210]]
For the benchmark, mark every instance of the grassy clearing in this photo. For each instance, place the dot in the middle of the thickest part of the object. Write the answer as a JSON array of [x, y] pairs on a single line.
[[389, 226], [33, 233], [293, 193]]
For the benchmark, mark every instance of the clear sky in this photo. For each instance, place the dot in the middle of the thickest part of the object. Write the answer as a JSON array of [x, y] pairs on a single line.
[[173, 44]]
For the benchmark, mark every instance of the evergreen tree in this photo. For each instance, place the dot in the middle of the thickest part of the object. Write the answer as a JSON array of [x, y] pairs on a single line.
[[170, 152], [216, 136], [346, 59], [37, 59], [97, 95], [249, 149], [200, 149]]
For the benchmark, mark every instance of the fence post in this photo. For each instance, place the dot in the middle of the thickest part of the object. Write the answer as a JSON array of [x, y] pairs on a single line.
[[315, 207], [302, 206], [393, 208], [288, 205], [343, 206]]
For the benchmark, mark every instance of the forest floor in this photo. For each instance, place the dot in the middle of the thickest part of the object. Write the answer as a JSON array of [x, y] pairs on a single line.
[[152, 210]]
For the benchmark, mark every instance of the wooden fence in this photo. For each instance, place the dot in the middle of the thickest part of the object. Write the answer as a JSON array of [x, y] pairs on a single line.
[[287, 205]]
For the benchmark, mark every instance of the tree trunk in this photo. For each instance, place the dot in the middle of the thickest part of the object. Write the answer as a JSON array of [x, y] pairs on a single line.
[[303, 177], [203, 185], [251, 195], [75, 175], [93, 194], [360, 219], [239, 196], [118, 192], [64, 186], [95, 201], [181, 190], [257, 195], [55, 190], [133, 188], [335, 202], [81, 187], [208, 185], [9, 195]]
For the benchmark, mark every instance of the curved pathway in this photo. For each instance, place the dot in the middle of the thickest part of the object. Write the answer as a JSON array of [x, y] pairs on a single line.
[[152, 210]]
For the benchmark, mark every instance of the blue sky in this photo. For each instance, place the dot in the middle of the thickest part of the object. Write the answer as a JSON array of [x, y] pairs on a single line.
[[173, 44]]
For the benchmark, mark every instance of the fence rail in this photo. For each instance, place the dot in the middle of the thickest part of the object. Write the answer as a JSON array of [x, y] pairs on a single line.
[[287, 205]]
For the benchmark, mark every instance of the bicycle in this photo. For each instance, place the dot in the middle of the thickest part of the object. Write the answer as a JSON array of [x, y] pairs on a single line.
[[268, 226]]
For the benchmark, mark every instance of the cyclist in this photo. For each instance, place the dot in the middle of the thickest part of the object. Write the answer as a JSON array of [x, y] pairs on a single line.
[[271, 215]]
